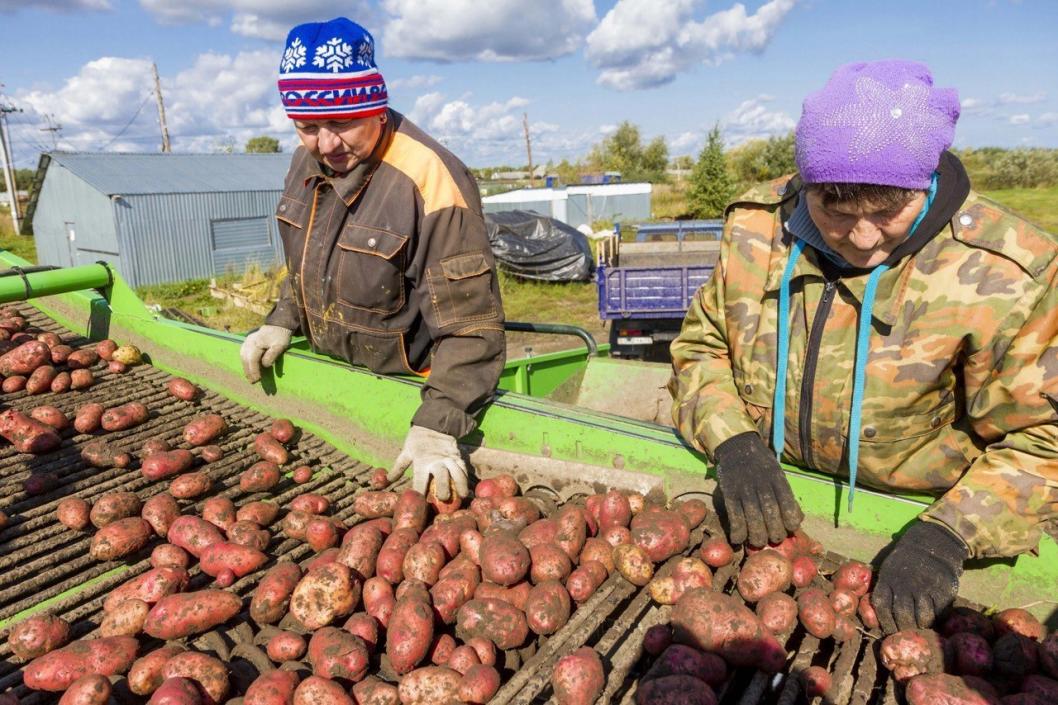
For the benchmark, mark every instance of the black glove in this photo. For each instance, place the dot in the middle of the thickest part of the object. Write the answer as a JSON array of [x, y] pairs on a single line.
[[919, 579], [758, 500]]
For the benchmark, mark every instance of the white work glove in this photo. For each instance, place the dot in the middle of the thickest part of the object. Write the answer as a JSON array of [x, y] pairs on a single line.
[[431, 454], [261, 348]]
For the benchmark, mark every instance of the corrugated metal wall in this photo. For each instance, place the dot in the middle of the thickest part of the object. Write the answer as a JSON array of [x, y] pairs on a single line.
[[169, 237], [67, 204]]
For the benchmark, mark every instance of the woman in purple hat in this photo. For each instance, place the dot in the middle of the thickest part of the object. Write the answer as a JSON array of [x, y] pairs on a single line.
[[874, 319]]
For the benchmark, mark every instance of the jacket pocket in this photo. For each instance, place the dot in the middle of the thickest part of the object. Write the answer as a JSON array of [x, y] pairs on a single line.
[[758, 405], [292, 211], [461, 291], [371, 269]]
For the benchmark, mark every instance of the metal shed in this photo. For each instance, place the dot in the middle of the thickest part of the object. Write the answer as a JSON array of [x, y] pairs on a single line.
[[158, 217], [578, 205]]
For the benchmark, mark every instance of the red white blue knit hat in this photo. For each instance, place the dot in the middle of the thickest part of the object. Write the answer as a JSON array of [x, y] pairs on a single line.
[[328, 72]]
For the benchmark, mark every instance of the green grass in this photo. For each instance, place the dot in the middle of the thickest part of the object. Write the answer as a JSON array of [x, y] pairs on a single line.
[[193, 297], [20, 245], [1037, 205]]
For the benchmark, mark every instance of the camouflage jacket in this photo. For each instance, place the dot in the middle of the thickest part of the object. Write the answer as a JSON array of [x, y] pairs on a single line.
[[962, 373]]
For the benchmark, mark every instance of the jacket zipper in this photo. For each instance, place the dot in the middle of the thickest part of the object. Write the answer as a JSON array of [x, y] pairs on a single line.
[[809, 378]]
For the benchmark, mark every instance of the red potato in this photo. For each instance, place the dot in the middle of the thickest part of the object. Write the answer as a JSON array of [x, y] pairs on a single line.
[[240, 560], [423, 562], [854, 577], [320, 691], [283, 430], [429, 686], [119, 539], [485, 650], [272, 594], [260, 477], [390, 561], [117, 367], [24, 359], [944, 688], [286, 646], [778, 613], [816, 613], [210, 453], [479, 684], [26, 434], [37, 635], [323, 595], [682, 689], [360, 548], [379, 600], [660, 533], [578, 679], [443, 507], [203, 430], [148, 587], [441, 649], [100, 454], [63, 381], [597, 549], [49, 338], [498, 621], [585, 580], [51, 415], [145, 676], [719, 623], [126, 619], [178, 691], [79, 379], [372, 691], [154, 445], [74, 513], [1018, 621], [58, 669], [409, 634], [803, 571], [219, 511], [677, 660], [763, 573], [614, 510], [247, 533], [375, 504], [161, 511], [410, 511], [268, 448], [91, 689], [182, 614], [311, 503], [40, 483], [321, 533], [549, 562], [191, 485], [82, 359], [547, 608], [693, 511], [515, 595], [379, 479], [716, 552], [124, 417], [539, 532], [209, 673], [261, 513], [105, 349], [462, 658], [301, 475], [59, 353], [294, 524], [274, 688], [166, 555], [364, 626], [166, 463], [40, 381], [413, 589], [572, 530], [866, 612], [912, 652], [335, 653], [182, 389], [449, 594], [617, 535], [88, 418], [816, 681], [193, 534], [843, 602], [14, 383], [504, 559]]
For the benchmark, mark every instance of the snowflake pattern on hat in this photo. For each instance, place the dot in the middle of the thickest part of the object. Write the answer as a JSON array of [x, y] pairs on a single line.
[[885, 117], [334, 56], [293, 57]]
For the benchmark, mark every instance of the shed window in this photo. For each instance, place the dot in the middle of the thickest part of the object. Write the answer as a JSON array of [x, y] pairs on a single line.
[[239, 242]]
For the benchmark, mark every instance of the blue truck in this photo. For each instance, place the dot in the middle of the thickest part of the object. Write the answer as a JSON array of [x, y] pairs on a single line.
[[646, 284]]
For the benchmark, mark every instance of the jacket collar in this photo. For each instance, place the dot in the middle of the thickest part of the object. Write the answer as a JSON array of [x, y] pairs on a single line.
[[349, 185]]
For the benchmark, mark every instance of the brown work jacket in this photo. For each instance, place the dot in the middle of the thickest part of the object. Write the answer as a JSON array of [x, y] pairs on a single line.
[[390, 268]]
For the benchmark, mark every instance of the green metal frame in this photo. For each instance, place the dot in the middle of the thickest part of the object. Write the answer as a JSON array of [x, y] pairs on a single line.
[[366, 415]]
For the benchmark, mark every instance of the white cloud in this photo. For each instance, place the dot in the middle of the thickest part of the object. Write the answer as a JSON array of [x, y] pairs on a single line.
[[11, 6], [753, 120], [643, 43], [685, 143], [264, 19], [471, 30], [1047, 119], [1020, 119], [412, 83], [1014, 98]]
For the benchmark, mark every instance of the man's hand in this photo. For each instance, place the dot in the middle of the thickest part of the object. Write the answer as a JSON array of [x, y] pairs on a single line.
[[432, 454], [919, 579], [757, 497], [261, 348]]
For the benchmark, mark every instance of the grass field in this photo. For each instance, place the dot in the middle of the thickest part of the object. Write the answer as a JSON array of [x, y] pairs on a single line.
[[573, 303]]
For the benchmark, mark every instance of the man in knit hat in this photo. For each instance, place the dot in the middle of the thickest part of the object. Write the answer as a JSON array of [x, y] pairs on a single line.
[[388, 259], [874, 319]]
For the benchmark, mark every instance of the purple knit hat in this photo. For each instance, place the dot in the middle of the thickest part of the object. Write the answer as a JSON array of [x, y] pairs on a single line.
[[879, 122]]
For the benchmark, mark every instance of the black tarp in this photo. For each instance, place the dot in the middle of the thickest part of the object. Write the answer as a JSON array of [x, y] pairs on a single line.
[[534, 246]]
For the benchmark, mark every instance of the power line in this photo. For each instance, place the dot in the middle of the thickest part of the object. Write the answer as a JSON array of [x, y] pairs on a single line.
[[128, 124]]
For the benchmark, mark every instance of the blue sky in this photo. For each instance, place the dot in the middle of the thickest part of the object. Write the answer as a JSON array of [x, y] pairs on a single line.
[[466, 70]]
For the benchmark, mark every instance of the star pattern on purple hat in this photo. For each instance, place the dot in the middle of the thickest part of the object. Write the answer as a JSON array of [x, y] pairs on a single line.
[[884, 117]]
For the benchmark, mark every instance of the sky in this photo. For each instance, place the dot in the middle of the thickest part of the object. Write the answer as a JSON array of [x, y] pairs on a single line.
[[467, 70]]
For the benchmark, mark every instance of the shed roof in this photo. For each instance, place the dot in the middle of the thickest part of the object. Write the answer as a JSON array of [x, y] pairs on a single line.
[[125, 174]]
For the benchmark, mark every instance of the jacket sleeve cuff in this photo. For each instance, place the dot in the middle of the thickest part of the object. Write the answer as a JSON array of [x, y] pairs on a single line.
[[285, 315], [444, 418]]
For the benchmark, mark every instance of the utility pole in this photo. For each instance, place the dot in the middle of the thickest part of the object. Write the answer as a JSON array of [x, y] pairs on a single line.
[[9, 168], [54, 129], [161, 109], [528, 148]]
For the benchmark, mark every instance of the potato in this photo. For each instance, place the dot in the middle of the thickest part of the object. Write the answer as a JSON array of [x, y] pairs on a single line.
[[100, 454], [441, 649], [912, 652], [462, 658], [148, 587], [763, 573], [944, 688], [261, 513], [854, 577], [126, 619], [154, 445], [633, 563], [657, 638], [320, 691], [547, 608], [88, 418], [166, 463], [504, 559], [58, 669], [282, 430], [219, 511], [971, 654], [967, 619], [166, 555], [202, 430], [549, 562], [182, 389], [161, 511], [294, 524], [81, 359], [423, 562], [25, 358], [693, 511], [40, 381], [360, 549], [617, 535], [268, 448], [539, 532], [209, 673], [681, 689], [498, 621], [390, 560], [260, 477], [14, 383], [479, 684], [79, 379], [124, 417], [191, 485], [1041, 686], [74, 513], [182, 614], [410, 511], [272, 594], [803, 571], [324, 594], [578, 678], [335, 653], [816, 613], [301, 474], [409, 634], [117, 367], [843, 602], [51, 415], [38, 635], [778, 613], [364, 626], [430, 686], [660, 533], [1018, 621], [1014, 656], [719, 623], [515, 595], [105, 349], [63, 381], [375, 504], [177, 691], [716, 552], [26, 434], [572, 530], [120, 538], [91, 689], [585, 580], [273, 688], [247, 533], [1049, 655], [311, 503], [223, 556], [379, 600], [866, 612], [614, 510], [145, 676], [372, 691], [816, 681], [677, 659], [59, 353]]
